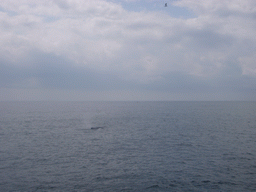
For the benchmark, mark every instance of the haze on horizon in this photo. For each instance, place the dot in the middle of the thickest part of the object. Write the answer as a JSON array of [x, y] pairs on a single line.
[[80, 50]]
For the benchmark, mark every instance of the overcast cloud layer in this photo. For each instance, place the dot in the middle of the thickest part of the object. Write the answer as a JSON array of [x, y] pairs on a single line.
[[127, 50]]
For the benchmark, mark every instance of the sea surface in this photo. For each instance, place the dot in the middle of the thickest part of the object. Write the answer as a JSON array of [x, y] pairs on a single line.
[[135, 146]]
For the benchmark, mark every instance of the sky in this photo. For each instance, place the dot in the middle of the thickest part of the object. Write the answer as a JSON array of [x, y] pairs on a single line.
[[128, 50]]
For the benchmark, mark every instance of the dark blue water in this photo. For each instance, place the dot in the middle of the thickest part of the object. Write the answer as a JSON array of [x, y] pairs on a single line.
[[141, 146]]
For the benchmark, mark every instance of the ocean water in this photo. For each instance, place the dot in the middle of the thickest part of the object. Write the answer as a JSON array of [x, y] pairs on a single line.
[[140, 146]]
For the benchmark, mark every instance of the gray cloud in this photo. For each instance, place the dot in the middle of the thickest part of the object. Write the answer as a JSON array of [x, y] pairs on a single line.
[[95, 46]]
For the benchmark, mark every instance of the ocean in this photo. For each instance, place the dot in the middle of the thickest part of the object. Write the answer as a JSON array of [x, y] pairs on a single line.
[[128, 146]]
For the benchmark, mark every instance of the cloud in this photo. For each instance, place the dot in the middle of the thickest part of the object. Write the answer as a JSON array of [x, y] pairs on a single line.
[[101, 45]]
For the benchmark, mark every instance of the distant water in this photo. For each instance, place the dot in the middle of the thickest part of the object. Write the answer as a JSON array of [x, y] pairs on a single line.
[[141, 146]]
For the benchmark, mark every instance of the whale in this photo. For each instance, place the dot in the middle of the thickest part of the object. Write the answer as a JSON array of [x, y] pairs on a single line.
[[97, 128]]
